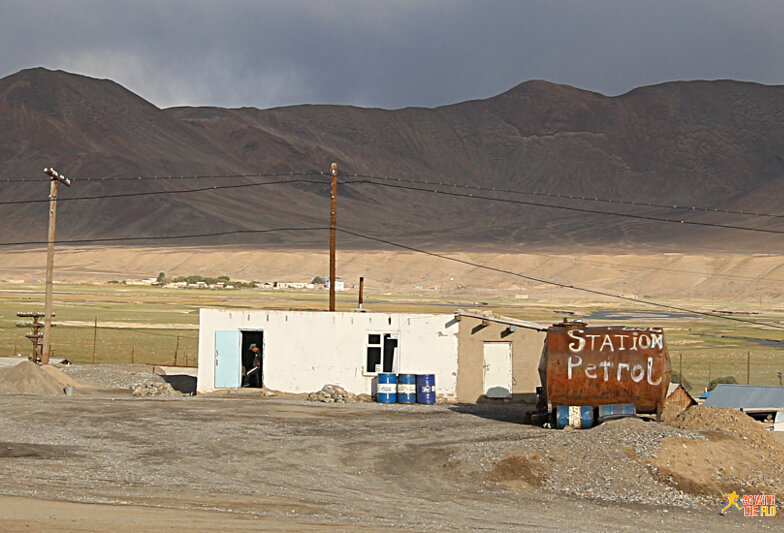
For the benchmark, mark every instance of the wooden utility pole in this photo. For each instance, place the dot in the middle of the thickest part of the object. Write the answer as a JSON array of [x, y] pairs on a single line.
[[95, 338], [680, 368], [56, 178], [176, 349], [333, 235], [361, 291]]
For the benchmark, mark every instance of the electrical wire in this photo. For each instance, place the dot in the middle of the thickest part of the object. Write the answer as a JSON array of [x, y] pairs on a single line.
[[169, 177], [155, 193], [432, 254], [569, 208], [558, 284], [570, 196], [163, 237], [404, 187], [411, 180]]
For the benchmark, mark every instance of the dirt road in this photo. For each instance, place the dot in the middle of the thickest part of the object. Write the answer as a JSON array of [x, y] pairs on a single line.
[[111, 464]]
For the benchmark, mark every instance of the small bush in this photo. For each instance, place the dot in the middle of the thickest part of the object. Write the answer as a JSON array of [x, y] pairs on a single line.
[[724, 379]]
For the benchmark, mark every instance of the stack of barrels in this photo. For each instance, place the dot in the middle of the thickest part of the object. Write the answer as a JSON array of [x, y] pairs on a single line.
[[406, 388]]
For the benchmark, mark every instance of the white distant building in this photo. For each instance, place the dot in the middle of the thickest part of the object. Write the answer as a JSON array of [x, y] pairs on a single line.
[[290, 285], [340, 285]]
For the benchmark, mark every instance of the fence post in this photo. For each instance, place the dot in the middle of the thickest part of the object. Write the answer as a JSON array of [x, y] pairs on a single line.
[[176, 349], [95, 337]]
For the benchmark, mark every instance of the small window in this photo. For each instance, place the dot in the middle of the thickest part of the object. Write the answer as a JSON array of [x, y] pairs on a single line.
[[381, 351], [373, 353]]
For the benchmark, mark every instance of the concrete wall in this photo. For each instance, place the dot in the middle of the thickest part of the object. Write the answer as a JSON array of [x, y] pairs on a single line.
[[305, 350], [527, 347]]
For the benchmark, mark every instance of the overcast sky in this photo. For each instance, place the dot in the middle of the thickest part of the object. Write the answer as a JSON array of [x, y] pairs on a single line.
[[389, 54]]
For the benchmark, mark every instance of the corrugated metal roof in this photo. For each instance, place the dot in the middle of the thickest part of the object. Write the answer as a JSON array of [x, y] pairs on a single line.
[[747, 397]]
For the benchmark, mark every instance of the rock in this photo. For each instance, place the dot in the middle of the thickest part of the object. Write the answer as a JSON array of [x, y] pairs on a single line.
[[332, 394]]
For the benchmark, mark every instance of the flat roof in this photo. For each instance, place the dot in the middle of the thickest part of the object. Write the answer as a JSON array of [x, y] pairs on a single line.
[[502, 320]]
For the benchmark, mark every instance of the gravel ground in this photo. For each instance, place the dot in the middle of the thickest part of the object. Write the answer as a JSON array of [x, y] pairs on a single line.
[[113, 376], [348, 466]]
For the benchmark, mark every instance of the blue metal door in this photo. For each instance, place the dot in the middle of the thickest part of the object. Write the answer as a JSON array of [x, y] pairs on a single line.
[[228, 360]]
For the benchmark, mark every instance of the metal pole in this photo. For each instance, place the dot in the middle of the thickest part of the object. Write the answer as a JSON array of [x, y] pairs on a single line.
[[95, 338], [361, 290], [176, 349], [56, 178], [332, 235]]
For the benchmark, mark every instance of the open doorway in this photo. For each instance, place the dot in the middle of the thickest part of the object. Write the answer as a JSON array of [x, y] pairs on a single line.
[[252, 376]]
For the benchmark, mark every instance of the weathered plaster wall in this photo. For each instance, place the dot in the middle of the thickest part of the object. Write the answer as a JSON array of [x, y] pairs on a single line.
[[526, 350], [305, 350]]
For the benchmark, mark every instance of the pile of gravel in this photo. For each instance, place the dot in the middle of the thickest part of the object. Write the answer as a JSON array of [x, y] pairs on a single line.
[[154, 388], [337, 394], [113, 376]]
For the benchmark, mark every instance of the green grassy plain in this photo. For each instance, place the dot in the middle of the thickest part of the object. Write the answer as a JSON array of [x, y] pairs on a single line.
[[148, 321]]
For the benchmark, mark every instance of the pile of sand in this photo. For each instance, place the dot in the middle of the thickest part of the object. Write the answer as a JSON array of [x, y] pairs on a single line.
[[738, 453], [28, 378], [731, 421]]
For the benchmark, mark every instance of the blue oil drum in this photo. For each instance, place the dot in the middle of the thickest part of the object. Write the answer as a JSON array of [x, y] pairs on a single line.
[[386, 390], [616, 410], [426, 388], [406, 388], [577, 416]]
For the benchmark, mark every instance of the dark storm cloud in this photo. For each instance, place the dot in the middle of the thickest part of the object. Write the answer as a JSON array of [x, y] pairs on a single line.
[[389, 54]]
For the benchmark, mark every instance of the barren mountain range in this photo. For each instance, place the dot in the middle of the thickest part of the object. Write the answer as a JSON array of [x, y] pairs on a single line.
[[712, 144]]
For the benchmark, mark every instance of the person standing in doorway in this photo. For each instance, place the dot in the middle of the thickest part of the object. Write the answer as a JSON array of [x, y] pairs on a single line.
[[253, 376]]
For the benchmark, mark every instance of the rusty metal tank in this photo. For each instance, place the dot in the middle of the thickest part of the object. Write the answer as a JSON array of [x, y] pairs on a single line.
[[594, 366]]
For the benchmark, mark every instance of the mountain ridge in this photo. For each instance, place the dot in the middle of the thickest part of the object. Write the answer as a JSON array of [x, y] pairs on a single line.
[[714, 143]]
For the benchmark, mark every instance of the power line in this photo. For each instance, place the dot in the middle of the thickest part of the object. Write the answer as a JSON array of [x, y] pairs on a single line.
[[558, 284], [411, 180], [569, 208], [643, 268], [154, 193], [572, 197], [171, 177], [434, 191], [163, 237], [432, 254]]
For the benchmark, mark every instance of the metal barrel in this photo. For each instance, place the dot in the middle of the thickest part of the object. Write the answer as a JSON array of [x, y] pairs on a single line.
[[406, 388], [426, 388], [579, 417], [386, 391]]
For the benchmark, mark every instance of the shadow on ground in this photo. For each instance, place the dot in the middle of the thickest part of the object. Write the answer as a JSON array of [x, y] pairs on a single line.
[[503, 412]]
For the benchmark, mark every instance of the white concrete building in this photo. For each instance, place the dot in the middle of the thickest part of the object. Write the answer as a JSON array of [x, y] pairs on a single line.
[[304, 350], [472, 356]]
